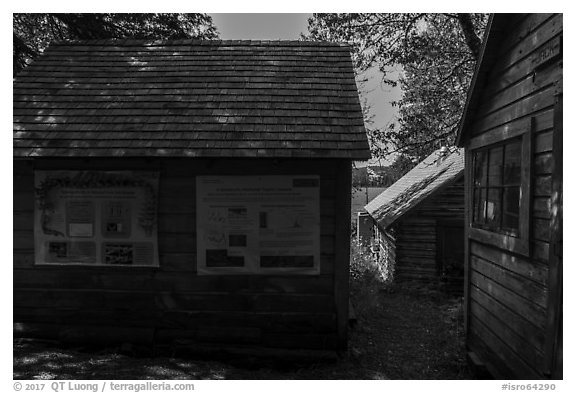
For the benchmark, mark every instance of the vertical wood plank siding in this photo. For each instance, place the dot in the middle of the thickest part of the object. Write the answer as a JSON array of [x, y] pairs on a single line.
[[508, 293], [172, 301]]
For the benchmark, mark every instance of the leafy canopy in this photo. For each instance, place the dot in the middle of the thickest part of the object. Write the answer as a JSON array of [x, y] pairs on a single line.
[[34, 32], [437, 54]]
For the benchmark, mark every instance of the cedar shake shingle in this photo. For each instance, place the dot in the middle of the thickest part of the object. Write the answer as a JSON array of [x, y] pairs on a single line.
[[433, 173], [189, 98]]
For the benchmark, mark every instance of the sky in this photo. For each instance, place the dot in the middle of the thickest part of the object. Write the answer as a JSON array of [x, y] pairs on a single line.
[[284, 26], [261, 26]]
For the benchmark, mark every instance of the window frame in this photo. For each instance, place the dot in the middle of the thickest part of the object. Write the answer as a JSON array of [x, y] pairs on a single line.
[[484, 190], [520, 242]]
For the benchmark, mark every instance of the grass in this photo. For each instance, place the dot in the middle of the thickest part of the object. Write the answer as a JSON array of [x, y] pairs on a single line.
[[406, 331], [367, 280]]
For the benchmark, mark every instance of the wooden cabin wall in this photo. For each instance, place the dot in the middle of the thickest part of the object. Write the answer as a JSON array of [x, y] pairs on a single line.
[[386, 246], [417, 241], [169, 302], [508, 292], [416, 249]]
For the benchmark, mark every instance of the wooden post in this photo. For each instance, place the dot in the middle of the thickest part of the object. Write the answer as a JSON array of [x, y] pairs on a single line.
[[342, 249], [467, 219]]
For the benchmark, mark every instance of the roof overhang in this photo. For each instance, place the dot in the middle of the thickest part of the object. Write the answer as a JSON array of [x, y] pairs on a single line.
[[492, 37]]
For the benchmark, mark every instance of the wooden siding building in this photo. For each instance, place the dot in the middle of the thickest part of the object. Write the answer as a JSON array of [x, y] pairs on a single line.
[[419, 220], [512, 133], [229, 141]]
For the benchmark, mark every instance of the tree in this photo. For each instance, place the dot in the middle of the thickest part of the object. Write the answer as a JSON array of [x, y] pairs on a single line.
[[402, 165], [437, 53], [32, 33]]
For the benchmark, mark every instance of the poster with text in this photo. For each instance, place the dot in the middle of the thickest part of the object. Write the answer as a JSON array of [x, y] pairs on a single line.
[[96, 217], [258, 224]]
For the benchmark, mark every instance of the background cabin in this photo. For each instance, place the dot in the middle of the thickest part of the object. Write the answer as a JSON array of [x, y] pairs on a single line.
[[512, 133], [364, 229], [160, 186], [419, 220]]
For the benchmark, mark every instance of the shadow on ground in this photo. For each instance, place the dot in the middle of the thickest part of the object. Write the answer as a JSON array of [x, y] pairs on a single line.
[[403, 332]]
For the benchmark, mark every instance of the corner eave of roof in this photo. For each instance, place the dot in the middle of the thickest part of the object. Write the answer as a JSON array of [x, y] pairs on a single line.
[[491, 39]]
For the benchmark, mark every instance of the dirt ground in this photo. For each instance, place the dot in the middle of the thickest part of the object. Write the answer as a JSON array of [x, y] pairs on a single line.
[[403, 332]]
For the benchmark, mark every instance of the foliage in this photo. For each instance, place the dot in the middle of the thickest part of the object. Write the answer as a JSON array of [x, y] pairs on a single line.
[[386, 175], [437, 53], [32, 33], [402, 165], [367, 279]]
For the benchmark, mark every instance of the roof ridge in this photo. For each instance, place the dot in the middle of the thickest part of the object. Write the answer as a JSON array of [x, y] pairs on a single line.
[[195, 41]]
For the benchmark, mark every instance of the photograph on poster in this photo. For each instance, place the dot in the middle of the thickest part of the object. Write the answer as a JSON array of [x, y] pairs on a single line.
[[78, 214]]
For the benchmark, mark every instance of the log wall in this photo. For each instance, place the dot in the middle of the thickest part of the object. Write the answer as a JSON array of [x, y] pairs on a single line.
[[410, 245], [386, 242], [172, 302], [418, 247]]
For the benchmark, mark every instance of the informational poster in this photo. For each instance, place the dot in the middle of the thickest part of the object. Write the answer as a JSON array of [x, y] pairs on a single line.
[[96, 218], [258, 224]]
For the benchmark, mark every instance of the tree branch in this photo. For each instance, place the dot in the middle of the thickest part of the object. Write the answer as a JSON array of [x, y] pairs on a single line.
[[472, 40]]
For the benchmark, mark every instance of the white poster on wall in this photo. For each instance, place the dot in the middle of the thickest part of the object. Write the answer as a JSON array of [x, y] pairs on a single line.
[[96, 217], [258, 224]]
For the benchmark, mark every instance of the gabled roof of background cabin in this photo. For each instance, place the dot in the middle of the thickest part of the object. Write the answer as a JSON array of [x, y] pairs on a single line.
[[422, 181], [189, 98]]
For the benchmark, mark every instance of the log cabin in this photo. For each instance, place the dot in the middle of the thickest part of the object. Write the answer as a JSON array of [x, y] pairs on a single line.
[[512, 133], [418, 223], [171, 192]]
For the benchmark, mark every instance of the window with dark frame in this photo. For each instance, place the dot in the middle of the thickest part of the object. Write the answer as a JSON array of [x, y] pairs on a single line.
[[496, 187]]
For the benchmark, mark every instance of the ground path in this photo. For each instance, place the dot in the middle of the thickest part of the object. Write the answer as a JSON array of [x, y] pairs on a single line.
[[401, 333]]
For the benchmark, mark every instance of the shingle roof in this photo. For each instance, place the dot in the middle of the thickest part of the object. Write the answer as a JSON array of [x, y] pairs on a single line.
[[190, 98], [422, 181]]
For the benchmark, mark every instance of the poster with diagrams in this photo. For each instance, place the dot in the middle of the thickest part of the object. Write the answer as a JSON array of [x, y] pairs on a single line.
[[258, 224], [96, 217]]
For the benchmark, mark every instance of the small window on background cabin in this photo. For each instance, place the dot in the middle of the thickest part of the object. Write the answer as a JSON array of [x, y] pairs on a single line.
[[496, 188]]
